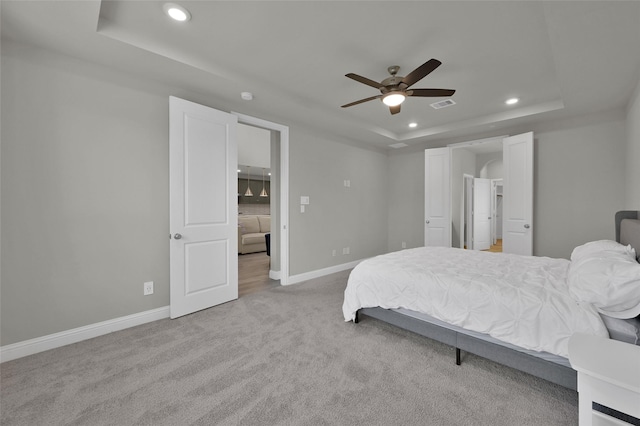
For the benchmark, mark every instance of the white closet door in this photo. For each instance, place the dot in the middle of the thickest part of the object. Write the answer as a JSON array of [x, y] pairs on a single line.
[[517, 236], [481, 214], [437, 199], [203, 207]]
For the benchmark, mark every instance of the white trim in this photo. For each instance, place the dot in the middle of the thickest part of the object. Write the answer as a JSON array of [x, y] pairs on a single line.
[[294, 279], [56, 340], [274, 275], [284, 187], [476, 142]]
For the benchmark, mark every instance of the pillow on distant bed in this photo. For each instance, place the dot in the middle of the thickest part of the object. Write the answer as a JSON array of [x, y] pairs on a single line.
[[608, 278], [599, 248]]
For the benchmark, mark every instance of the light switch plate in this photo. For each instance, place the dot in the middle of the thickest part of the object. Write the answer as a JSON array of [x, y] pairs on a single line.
[[304, 199]]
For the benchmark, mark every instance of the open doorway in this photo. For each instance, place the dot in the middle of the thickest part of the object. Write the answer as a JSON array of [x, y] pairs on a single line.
[[476, 177], [274, 143], [255, 194], [444, 183]]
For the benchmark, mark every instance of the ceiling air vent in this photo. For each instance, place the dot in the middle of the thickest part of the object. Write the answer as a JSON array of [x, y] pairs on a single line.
[[442, 104]]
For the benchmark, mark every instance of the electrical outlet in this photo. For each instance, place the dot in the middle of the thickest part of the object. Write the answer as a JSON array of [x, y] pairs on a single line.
[[404, 244], [333, 253], [148, 288]]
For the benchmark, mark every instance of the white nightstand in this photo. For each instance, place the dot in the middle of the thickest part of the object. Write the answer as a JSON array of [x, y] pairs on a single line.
[[608, 374]]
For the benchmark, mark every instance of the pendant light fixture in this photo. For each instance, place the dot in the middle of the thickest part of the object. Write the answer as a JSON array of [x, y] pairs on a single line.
[[263, 193], [248, 192]]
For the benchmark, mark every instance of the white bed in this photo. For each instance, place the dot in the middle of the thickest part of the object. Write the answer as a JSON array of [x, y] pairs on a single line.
[[522, 300], [517, 310]]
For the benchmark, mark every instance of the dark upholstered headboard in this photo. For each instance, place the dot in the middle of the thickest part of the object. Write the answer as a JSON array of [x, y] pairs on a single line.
[[628, 229]]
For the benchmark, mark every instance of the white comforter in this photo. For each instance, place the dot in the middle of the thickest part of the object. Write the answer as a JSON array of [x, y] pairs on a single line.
[[522, 300]]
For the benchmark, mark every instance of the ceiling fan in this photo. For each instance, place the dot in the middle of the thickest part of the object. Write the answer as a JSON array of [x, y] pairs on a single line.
[[395, 89]]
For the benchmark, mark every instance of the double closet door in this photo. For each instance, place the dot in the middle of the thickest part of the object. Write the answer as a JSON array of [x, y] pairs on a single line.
[[517, 219]]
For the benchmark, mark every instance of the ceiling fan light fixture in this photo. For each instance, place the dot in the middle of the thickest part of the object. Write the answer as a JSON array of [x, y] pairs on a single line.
[[393, 98]]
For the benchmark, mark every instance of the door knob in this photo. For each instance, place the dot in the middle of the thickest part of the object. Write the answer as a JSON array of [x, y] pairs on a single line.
[[526, 226], [177, 236], [427, 222]]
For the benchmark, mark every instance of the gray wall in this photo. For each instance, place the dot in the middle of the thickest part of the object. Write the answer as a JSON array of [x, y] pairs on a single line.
[[632, 154], [489, 166], [337, 216], [406, 200], [84, 194], [579, 183]]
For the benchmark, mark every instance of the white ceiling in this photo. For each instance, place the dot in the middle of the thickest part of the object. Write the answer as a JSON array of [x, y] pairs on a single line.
[[560, 58]]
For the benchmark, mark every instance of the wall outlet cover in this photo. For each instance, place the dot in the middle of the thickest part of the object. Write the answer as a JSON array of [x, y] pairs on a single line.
[[148, 288]]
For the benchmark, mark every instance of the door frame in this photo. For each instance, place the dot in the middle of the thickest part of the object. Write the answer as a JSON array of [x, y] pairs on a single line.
[[495, 183], [466, 232], [283, 274]]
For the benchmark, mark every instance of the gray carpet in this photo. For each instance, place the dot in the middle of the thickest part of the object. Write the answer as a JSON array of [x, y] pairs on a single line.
[[279, 357]]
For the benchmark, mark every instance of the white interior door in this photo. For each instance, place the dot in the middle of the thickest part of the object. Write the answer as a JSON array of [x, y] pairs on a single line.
[[517, 205], [203, 207], [437, 199], [481, 214]]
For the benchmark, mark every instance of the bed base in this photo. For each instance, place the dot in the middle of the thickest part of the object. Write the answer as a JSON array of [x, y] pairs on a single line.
[[555, 373]]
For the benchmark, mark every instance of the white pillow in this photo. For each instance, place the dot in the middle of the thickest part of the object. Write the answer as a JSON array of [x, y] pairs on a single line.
[[601, 248], [609, 280]]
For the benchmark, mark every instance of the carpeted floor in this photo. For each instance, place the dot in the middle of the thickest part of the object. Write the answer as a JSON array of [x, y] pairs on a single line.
[[279, 357]]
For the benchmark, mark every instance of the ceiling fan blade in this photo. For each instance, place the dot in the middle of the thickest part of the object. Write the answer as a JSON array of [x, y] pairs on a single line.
[[394, 109], [361, 101], [421, 72], [364, 80], [430, 92]]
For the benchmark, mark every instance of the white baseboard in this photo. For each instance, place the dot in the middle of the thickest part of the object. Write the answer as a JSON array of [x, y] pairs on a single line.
[[275, 275], [294, 279], [56, 340]]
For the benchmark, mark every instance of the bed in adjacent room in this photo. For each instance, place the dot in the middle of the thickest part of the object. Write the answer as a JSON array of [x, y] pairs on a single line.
[[517, 310]]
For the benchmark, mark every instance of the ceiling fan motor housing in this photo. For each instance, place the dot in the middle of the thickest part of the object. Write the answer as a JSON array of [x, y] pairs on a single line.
[[391, 84]]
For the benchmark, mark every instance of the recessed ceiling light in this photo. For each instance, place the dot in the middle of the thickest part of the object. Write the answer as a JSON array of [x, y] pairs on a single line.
[[176, 12], [412, 125], [511, 101]]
